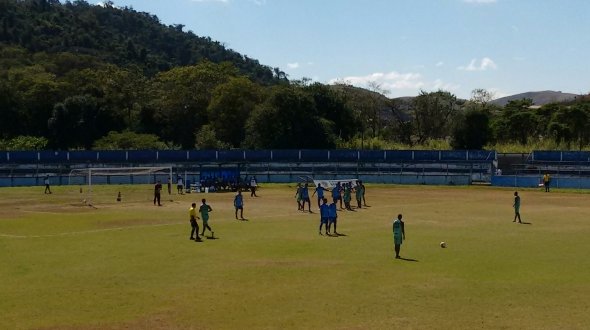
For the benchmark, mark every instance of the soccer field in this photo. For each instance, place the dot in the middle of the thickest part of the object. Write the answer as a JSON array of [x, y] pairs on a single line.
[[130, 265]]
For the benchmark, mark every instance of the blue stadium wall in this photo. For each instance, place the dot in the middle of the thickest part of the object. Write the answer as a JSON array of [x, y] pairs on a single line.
[[569, 170], [172, 156], [27, 168]]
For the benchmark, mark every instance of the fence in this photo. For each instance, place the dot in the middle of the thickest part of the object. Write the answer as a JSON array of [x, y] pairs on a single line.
[[25, 168]]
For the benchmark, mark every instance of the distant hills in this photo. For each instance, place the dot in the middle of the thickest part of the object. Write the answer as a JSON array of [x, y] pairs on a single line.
[[539, 98]]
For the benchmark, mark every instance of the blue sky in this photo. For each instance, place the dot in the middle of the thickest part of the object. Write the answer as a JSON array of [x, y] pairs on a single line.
[[404, 46]]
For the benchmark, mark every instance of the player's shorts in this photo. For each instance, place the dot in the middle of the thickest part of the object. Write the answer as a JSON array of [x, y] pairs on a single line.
[[336, 198], [397, 239], [205, 218], [324, 219], [239, 207], [306, 199], [517, 209], [332, 219]]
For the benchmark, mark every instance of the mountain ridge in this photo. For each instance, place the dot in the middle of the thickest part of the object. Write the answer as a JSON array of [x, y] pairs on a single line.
[[538, 97]]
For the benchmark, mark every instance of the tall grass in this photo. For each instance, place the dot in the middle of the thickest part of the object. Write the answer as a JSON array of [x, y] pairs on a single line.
[[377, 143]]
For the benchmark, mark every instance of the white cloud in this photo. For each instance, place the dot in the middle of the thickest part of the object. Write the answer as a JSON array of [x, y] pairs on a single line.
[[441, 85], [480, 1], [398, 84], [486, 63], [293, 66], [259, 2], [388, 81], [439, 64], [497, 93]]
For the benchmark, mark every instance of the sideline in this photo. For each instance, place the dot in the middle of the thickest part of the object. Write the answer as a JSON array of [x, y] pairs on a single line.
[[88, 231]]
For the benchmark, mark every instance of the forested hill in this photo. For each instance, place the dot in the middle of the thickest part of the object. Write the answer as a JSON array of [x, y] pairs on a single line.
[[120, 36]]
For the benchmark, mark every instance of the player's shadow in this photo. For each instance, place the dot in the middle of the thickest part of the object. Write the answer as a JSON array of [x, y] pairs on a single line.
[[408, 259], [525, 223], [243, 219], [335, 235], [212, 237]]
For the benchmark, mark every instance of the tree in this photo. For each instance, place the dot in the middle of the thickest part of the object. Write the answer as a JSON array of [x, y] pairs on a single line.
[[128, 140], [231, 105], [481, 97], [24, 143], [36, 91], [77, 122], [181, 97], [332, 107], [516, 122], [471, 130], [288, 119], [401, 127], [434, 114], [571, 124], [206, 138]]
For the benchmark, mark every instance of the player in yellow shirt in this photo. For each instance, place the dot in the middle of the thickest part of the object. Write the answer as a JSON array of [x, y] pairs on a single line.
[[547, 181], [192, 212]]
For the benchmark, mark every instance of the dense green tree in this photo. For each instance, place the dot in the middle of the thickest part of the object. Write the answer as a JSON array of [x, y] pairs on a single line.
[[206, 138], [36, 91], [571, 124], [128, 140], [24, 143], [433, 114], [231, 105], [516, 122], [77, 122], [288, 119], [332, 107], [180, 98], [471, 131]]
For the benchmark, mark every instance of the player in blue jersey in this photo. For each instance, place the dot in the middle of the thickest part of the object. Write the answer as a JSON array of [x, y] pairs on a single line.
[[320, 191], [336, 194], [239, 204], [305, 198], [399, 234], [324, 216], [332, 217]]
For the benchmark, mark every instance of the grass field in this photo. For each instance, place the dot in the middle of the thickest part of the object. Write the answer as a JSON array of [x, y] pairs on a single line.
[[130, 265]]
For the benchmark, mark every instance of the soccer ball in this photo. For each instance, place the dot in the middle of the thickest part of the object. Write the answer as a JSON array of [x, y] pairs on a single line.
[[443, 245]]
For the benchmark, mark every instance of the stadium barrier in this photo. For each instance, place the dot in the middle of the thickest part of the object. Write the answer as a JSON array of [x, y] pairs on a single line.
[[228, 156], [534, 181], [28, 168]]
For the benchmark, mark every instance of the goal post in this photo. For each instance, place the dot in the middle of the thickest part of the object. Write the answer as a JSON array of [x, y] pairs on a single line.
[[116, 175]]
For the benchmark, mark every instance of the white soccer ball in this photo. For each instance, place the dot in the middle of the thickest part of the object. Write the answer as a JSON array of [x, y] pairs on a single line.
[[84, 201], [443, 245]]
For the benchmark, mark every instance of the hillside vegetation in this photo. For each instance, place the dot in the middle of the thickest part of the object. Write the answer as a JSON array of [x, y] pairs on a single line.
[[82, 76]]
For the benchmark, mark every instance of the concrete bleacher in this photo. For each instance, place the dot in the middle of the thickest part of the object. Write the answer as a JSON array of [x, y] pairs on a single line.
[[386, 166], [568, 169]]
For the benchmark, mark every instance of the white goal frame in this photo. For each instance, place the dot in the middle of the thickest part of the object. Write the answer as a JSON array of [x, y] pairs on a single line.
[[116, 171]]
